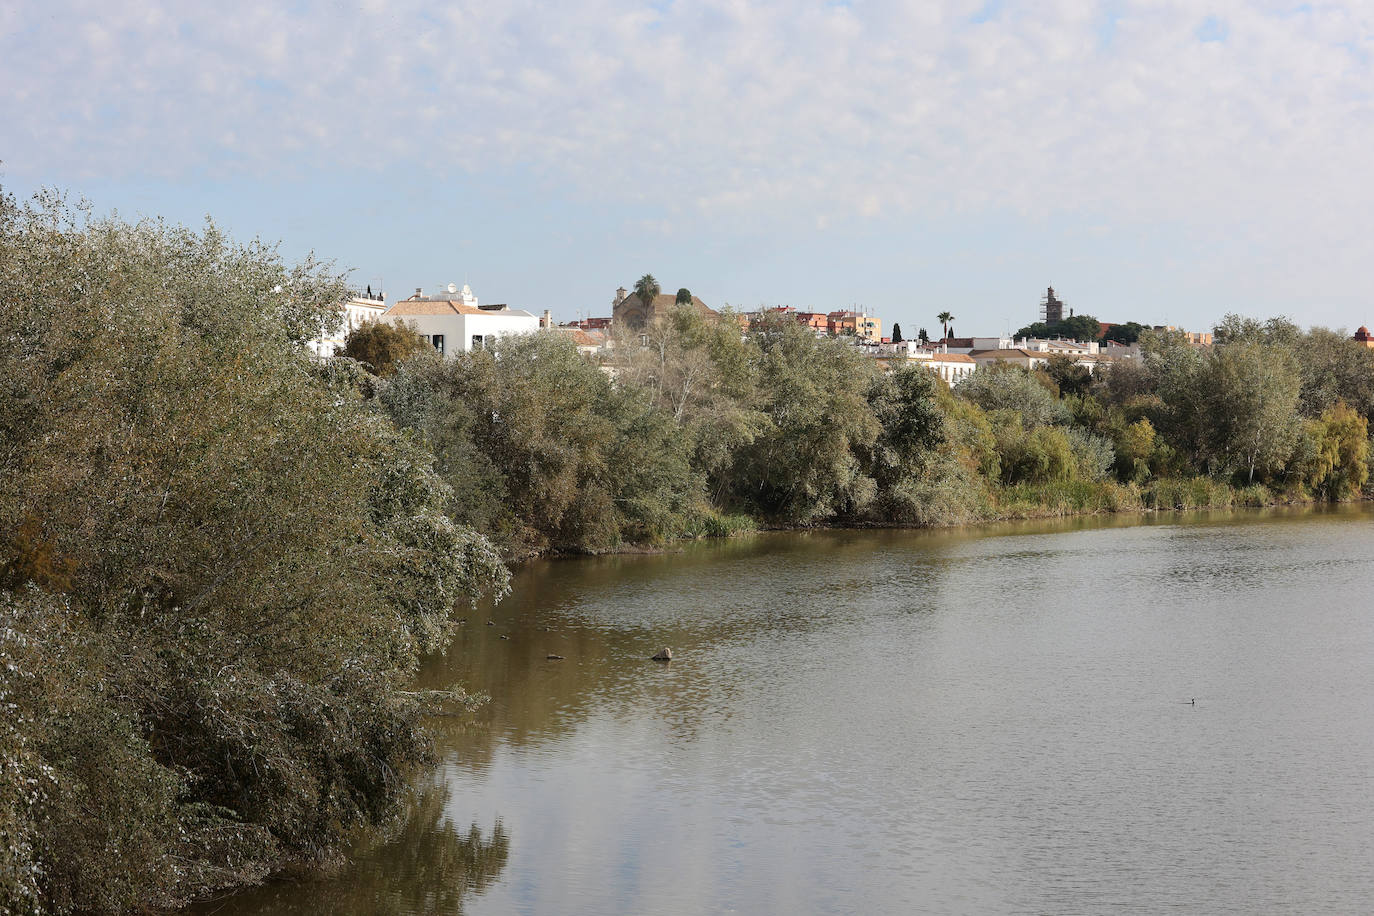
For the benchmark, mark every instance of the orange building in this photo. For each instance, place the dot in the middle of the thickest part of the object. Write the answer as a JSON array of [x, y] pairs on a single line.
[[869, 327], [1364, 338]]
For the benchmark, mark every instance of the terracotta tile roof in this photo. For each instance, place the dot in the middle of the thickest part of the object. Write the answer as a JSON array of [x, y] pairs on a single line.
[[408, 307], [584, 338], [951, 358]]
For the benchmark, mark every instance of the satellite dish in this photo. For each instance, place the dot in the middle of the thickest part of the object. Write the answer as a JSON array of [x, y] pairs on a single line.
[[453, 287]]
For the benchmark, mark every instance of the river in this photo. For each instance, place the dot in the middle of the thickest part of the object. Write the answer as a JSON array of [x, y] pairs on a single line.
[[1073, 717]]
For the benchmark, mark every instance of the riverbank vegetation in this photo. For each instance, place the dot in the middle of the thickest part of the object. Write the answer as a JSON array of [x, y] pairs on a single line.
[[219, 568], [693, 428], [221, 559]]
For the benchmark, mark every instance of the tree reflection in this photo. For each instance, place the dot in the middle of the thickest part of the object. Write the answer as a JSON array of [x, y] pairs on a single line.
[[425, 866]]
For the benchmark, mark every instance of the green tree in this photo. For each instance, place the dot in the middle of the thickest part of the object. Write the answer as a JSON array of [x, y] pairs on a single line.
[[896, 332], [252, 564], [1231, 409], [944, 318], [1339, 467], [543, 452], [1125, 334], [1005, 387], [703, 374], [684, 297], [1079, 327], [1076, 327], [802, 466], [646, 291], [1335, 369], [1068, 376], [1038, 329], [1135, 446], [384, 344]]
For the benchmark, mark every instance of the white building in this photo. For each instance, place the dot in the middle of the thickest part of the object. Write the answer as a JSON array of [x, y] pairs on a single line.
[[356, 312], [1026, 359], [454, 322], [952, 367], [1058, 347]]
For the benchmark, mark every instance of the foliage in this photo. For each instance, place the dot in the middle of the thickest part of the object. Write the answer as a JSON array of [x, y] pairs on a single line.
[[1339, 464], [896, 332], [1002, 386], [221, 558], [1068, 376], [684, 297], [1125, 334], [1135, 447], [543, 453], [224, 567], [646, 290], [1076, 327], [801, 466], [382, 345], [1335, 369]]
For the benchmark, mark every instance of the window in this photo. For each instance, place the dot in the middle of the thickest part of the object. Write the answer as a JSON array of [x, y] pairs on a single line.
[[476, 341], [439, 343]]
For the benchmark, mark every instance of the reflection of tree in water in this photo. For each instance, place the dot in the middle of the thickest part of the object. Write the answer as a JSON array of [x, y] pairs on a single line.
[[425, 866], [606, 615]]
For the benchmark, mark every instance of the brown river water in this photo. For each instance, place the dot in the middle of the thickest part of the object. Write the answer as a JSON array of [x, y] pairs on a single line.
[[1168, 714]]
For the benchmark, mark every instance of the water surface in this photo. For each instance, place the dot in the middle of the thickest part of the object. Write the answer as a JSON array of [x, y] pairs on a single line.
[[982, 721]]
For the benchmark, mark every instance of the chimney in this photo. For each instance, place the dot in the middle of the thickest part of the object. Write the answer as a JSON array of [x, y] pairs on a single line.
[[419, 291], [547, 320]]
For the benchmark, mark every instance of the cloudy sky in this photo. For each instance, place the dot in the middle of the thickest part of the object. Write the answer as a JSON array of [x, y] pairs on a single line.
[[1155, 160]]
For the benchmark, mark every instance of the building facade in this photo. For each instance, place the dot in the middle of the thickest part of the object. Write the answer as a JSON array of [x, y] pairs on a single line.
[[356, 312], [453, 322]]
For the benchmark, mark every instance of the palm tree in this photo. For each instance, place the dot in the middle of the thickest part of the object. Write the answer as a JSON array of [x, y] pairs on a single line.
[[647, 290], [944, 318]]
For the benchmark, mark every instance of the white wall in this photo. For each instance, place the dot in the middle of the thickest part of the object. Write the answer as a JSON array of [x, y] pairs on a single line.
[[355, 313], [458, 330]]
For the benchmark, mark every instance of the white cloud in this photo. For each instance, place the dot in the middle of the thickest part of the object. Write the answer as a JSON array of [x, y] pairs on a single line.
[[713, 109]]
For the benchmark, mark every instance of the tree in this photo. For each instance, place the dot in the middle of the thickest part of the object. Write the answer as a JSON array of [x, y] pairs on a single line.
[[684, 297], [382, 345], [944, 318], [802, 466], [646, 291], [1068, 376], [1038, 329], [543, 452], [1231, 409], [1076, 327], [1340, 462], [703, 374], [250, 564], [1004, 387], [896, 332], [1135, 446], [1124, 334], [1335, 369], [923, 336]]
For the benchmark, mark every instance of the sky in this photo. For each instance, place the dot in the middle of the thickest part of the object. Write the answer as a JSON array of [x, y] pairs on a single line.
[[1158, 161]]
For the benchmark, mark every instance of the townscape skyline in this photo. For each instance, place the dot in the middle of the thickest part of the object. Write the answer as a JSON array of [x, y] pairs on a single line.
[[1151, 161]]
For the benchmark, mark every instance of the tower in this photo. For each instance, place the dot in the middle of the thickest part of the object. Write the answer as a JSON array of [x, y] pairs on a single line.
[[1051, 307]]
